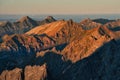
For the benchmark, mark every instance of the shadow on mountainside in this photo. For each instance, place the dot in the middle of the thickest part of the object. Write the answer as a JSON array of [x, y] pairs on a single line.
[[20, 59], [116, 28], [102, 21], [103, 64]]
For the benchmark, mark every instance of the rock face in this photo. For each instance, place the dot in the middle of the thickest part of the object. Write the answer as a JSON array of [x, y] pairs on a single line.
[[36, 73], [62, 50], [22, 25], [11, 75], [30, 73]]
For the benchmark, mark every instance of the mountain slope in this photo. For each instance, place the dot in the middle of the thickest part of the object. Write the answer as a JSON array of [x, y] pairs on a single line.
[[61, 31], [93, 39], [102, 64], [23, 44]]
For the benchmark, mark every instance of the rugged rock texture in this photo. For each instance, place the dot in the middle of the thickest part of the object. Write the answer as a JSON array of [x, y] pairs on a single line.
[[22, 44], [87, 24], [29, 73], [19, 50], [61, 31], [93, 39], [14, 74], [35, 72]]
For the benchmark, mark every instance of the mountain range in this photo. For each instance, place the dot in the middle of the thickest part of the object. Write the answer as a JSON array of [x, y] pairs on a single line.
[[60, 49], [22, 25]]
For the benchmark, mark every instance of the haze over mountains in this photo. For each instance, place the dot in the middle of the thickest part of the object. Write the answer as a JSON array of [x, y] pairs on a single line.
[[60, 49]]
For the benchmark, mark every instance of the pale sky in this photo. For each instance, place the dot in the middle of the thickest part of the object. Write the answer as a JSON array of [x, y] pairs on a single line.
[[59, 6]]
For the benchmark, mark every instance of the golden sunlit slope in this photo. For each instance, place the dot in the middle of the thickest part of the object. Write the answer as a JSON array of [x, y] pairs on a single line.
[[84, 47], [61, 31], [49, 29]]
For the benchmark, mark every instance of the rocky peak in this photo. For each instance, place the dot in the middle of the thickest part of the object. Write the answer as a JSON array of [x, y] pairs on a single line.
[[49, 19], [24, 18], [70, 21], [89, 24], [87, 20]]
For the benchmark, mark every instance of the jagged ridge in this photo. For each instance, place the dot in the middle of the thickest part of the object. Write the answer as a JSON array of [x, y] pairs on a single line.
[[22, 25]]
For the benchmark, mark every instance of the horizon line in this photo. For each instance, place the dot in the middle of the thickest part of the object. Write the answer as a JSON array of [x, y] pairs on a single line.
[[69, 14]]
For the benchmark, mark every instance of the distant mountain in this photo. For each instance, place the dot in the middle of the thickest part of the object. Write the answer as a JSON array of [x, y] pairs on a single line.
[[89, 24], [62, 50], [48, 19], [114, 25], [22, 25], [103, 21]]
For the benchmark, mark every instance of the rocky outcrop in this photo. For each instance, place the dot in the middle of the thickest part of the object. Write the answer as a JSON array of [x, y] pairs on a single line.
[[35, 72], [14, 74], [88, 24], [29, 73]]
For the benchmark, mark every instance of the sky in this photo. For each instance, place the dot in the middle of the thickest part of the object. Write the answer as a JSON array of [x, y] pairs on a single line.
[[59, 6]]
